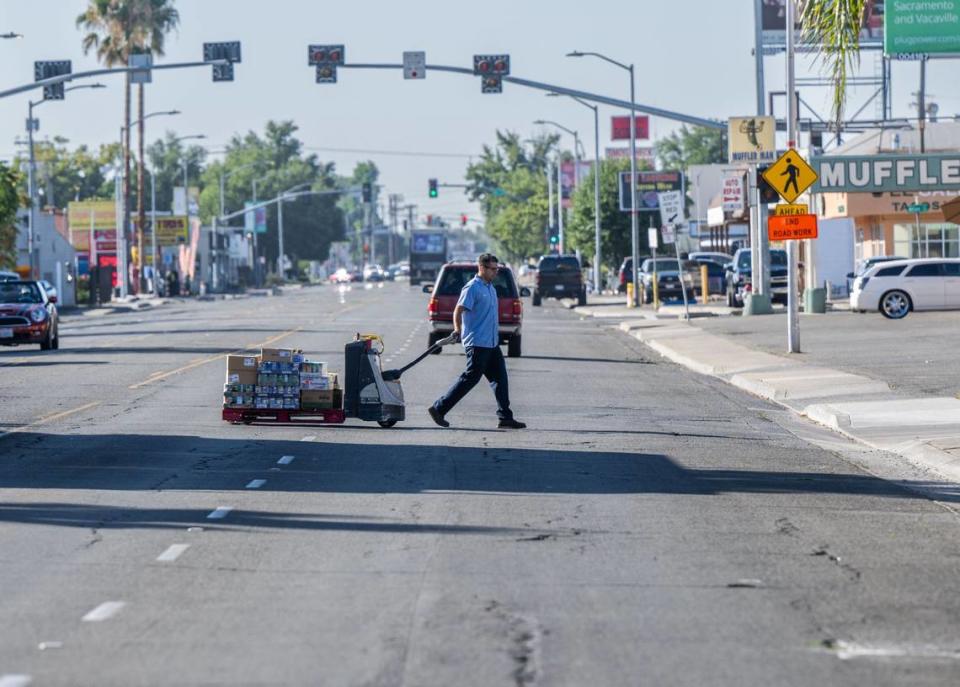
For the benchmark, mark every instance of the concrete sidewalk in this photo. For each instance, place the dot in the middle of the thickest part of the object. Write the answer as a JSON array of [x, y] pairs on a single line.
[[925, 430]]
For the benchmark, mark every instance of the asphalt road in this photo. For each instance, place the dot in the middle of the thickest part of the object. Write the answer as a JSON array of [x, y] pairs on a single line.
[[652, 526]]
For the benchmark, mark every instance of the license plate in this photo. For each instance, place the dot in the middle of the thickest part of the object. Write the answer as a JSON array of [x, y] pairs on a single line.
[[6, 333], [558, 287]]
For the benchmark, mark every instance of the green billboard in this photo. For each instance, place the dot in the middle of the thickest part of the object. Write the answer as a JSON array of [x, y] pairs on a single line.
[[917, 27]]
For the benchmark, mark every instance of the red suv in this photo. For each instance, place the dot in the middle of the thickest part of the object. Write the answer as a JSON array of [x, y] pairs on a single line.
[[446, 292]]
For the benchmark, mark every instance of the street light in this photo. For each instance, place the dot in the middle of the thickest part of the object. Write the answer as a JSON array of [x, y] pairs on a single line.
[[634, 231], [32, 168], [177, 140], [125, 210], [596, 187], [576, 173]]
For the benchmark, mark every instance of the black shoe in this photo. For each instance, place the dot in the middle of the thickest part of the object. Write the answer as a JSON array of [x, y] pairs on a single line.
[[437, 417], [511, 424]]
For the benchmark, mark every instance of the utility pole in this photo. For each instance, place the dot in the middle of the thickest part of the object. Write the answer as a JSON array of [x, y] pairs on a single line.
[[559, 209], [793, 311], [550, 224]]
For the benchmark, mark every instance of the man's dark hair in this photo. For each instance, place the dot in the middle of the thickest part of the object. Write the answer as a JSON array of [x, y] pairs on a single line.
[[487, 257]]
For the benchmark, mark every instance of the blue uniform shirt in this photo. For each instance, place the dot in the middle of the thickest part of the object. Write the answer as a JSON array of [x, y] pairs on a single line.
[[481, 317]]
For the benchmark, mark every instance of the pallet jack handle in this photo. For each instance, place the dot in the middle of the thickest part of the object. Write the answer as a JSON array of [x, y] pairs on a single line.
[[394, 375]]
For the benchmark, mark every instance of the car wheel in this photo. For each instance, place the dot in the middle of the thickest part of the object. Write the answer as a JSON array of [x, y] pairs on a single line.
[[536, 297], [513, 347], [582, 296], [895, 305], [386, 423]]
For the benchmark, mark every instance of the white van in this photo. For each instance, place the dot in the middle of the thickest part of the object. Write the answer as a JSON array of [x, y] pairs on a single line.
[[896, 288]]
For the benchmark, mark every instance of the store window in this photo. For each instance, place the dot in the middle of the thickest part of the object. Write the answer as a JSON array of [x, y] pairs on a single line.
[[927, 240]]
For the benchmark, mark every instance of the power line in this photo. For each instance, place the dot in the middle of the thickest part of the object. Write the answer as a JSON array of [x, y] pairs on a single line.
[[402, 153]]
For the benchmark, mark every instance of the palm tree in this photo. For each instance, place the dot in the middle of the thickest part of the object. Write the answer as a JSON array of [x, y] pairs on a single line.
[[117, 28], [834, 26]]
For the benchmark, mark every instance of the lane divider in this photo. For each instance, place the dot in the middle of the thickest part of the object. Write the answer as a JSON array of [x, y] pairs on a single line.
[[220, 513], [172, 553], [285, 460], [104, 611], [256, 483], [44, 419]]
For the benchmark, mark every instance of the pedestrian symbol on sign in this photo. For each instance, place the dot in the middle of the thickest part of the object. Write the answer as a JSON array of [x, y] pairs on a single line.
[[790, 175], [791, 171]]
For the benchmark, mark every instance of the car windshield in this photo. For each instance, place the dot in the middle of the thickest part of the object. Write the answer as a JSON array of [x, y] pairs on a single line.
[[20, 292], [454, 279], [559, 265], [663, 265], [778, 258]]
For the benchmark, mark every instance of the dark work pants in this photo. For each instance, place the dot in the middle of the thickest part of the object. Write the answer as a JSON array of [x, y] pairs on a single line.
[[481, 362]]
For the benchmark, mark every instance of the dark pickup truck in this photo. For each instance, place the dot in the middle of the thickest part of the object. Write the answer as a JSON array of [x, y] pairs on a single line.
[[559, 276]]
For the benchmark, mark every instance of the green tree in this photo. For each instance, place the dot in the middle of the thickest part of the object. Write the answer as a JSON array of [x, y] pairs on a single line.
[[833, 27], [615, 228], [277, 162], [698, 145], [11, 198], [509, 181]]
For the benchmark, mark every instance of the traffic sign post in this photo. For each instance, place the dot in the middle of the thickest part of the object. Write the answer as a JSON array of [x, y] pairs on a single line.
[[790, 176], [792, 227], [671, 217]]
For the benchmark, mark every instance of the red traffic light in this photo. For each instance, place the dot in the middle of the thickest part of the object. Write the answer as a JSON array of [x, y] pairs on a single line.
[[463, 220], [499, 66], [319, 56], [483, 67], [334, 55]]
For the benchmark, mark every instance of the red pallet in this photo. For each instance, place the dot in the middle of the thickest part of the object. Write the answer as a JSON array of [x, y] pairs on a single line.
[[326, 416]]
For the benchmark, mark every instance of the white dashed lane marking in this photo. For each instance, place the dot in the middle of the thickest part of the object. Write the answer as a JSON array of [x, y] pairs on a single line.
[[11, 680], [172, 553], [285, 460], [220, 513], [256, 483], [104, 611]]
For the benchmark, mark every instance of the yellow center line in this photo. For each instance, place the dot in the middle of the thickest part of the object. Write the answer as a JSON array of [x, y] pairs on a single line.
[[50, 418], [157, 376]]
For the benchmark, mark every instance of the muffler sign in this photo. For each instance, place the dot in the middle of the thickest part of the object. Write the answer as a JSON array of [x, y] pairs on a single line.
[[878, 173]]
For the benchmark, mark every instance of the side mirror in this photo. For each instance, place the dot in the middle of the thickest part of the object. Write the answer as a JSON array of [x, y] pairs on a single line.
[[53, 299], [428, 288], [524, 292]]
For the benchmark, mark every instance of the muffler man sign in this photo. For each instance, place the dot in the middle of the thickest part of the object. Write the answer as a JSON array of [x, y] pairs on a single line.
[[877, 173]]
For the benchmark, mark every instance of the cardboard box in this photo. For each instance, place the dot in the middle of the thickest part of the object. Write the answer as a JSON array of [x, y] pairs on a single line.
[[239, 363], [312, 399], [242, 377], [279, 355]]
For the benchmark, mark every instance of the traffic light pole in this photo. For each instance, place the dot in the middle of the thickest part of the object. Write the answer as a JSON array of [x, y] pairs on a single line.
[[101, 72], [584, 95]]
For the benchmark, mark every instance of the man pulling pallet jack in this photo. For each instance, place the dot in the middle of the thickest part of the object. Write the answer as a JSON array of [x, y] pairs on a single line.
[[476, 324]]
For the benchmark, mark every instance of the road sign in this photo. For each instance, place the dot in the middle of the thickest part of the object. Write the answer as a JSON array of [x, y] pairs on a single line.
[[620, 128], [652, 237], [790, 175], [787, 210], [143, 61], [918, 207], [792, 227], [649, 184], [671, 209], [751, 139], [223, 72], [415, 65], [921, 27]]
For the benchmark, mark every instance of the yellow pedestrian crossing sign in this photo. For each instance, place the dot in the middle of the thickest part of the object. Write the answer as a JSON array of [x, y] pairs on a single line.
[[790, 175]]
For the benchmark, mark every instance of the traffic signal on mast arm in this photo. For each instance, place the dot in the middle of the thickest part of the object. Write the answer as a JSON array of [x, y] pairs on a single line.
[[463, 220], [491, 69], [433, 188], [367, 192]]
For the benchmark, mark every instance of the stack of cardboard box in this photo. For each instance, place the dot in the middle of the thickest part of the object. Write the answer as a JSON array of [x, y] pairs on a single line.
[[280, 379]]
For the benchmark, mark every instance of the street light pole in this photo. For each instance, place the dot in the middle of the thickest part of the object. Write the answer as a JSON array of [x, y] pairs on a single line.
[[634, 231], [596, 188], [576, 173], [32, 174]]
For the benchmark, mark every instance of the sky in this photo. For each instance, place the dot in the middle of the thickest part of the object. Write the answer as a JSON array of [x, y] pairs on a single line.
[[693, 57]]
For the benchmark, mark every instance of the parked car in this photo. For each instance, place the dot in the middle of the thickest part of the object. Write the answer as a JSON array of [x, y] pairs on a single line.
[[28, 315], [625, 274], [722, 258], [49, 288], [9, 276], [668, 279], [398, 270], [716, 273], [559, 276], [445, 293], [864, 265], [739, 280], [896, 288]]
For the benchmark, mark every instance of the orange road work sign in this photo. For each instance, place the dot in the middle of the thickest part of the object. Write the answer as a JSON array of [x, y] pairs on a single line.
[[792, 227]]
